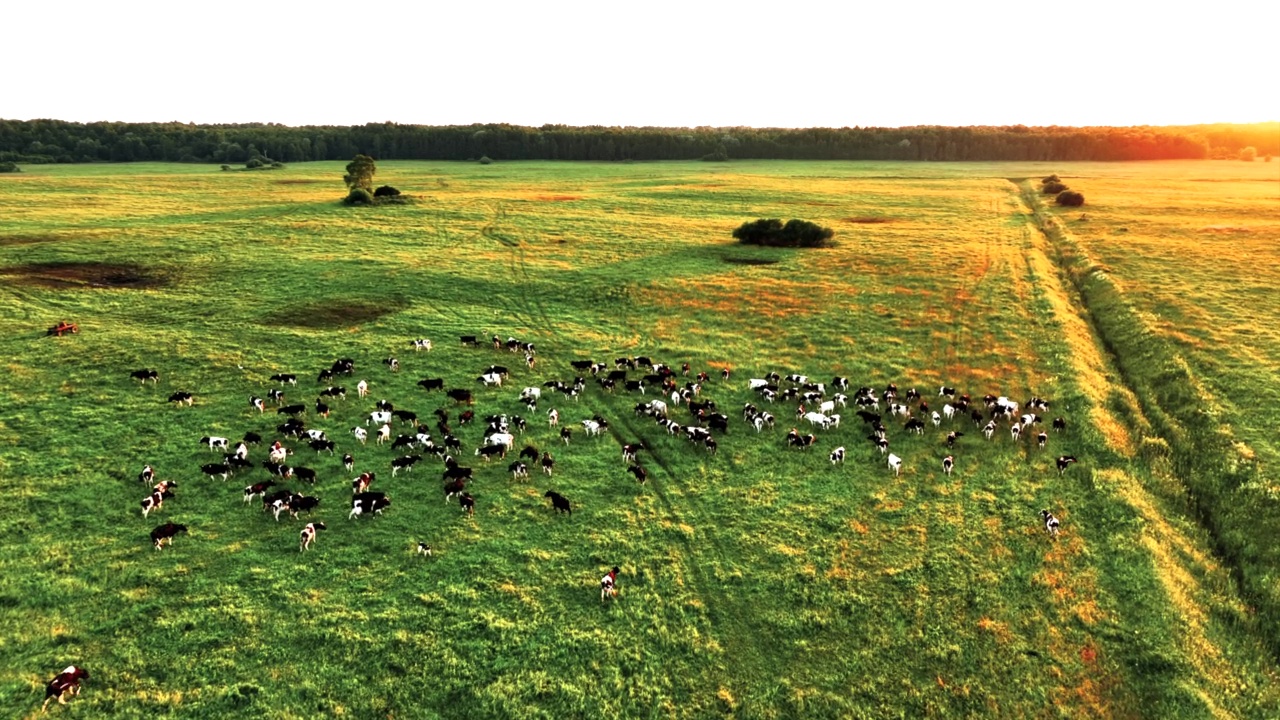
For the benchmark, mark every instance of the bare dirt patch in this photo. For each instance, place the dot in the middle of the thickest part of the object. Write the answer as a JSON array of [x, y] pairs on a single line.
[[868, 220], [331, 315], [82, 275]]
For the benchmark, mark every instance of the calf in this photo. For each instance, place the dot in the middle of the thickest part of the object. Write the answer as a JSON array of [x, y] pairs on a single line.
[[607, 588], [895, 464], [348, 462], [166, 532], [305, 474], [182, 398], [945, 391], [308, 535], [837, 455], [64, 683], [559, 502], [566, 434], [989, 429], [360, 433], [641, 474], [424, 550], [460, 396], [144, 375], [468, 340], [278, 469], [155, 501], [518, 470], [257, 489], [1050, 523], [1063, 462], [592, 427]]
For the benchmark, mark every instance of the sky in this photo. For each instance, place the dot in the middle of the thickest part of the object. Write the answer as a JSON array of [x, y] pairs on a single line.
[[655, 63]]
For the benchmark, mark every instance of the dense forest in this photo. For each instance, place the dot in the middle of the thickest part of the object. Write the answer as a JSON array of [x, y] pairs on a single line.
[[46, 141]]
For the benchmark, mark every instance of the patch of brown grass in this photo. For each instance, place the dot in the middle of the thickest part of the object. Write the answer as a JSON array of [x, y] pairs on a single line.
[[84, 275], [868, 220], [557, 198]]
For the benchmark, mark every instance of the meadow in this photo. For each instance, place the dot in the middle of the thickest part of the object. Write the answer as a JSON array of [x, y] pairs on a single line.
[[759, 582]]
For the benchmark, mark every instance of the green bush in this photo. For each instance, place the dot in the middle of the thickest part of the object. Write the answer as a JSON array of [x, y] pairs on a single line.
[[225, 167], [1051, 178], [1053, 188], [1070, 198], [486, 160], [386, 191], [276, 165], [771, 232], [9, 167], [253, 164], [359, 196]]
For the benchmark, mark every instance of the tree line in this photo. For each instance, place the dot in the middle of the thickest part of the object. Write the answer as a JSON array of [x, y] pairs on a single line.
[[45, 141]]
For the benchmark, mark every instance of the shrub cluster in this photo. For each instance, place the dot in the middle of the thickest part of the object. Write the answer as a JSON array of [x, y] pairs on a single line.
[[1053, 185], [771, 232], [9, 167], [359, 196]]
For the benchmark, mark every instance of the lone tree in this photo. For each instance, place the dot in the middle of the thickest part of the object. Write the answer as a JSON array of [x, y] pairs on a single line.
[[771, 231], [360, 173]]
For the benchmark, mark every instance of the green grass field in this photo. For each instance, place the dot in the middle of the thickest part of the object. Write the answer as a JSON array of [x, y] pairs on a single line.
[[760, 582]]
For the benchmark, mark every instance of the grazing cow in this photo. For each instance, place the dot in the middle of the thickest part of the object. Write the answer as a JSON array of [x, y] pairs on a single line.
[[308, 535], [548, 463], [182, 398], [147, 475], [629, 451], [378, 417], [710, 444], [817, 419], [566, 434], [1042, 439], [212, 469], [360, 433], [1016, 431], [257, 489], [361, 483], [144, 375], [405, 416], [487, 452], [989, 429], [1059, 424], [460, 396], [301, 503], [290, 378], [976, 417], [467, 503], [256, 403], [804, 442], [881, 443], [945, 391], [424, 550], [392, 364], [559, 502], [592, 427], [63, 684], [456, 487], [468, 340], [951, 438], [337, 391], [915, 425], [292, 410], [837, 455], [384, 434], [237, 463], [948, 463], [895, 464], [155, 501], [490, 380], [518, 470], [368, 503], [1050, 523], [320, 445], [641, 474], [251, 438], [278, 469], [1063, 462], [948, 411], [348, 462], [166, 532], [608, 589], [421, 344], [405, 462], [936, 418]]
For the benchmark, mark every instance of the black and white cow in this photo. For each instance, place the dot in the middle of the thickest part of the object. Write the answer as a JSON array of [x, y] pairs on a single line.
[[63, 684], [308, 535], [367, 503]]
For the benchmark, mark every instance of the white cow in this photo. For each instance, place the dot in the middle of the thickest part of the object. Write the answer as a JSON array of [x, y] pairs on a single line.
[[360, 433], [895, 464]]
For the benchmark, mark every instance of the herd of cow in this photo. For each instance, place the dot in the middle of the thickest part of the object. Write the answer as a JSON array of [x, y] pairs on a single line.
[[679, 409]]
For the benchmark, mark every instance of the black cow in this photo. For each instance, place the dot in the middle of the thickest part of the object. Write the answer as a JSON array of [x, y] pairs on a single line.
[[559, 502], [1059, 424], [182, 398], [166, 532], [456, 473], [322, 445], [1063, 462], [468, 340], [212, 469], [144, 375], [431, 383], [641, 474], [467, 503], [305, 474], [487, 452], [460, 396], [292, 410]]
